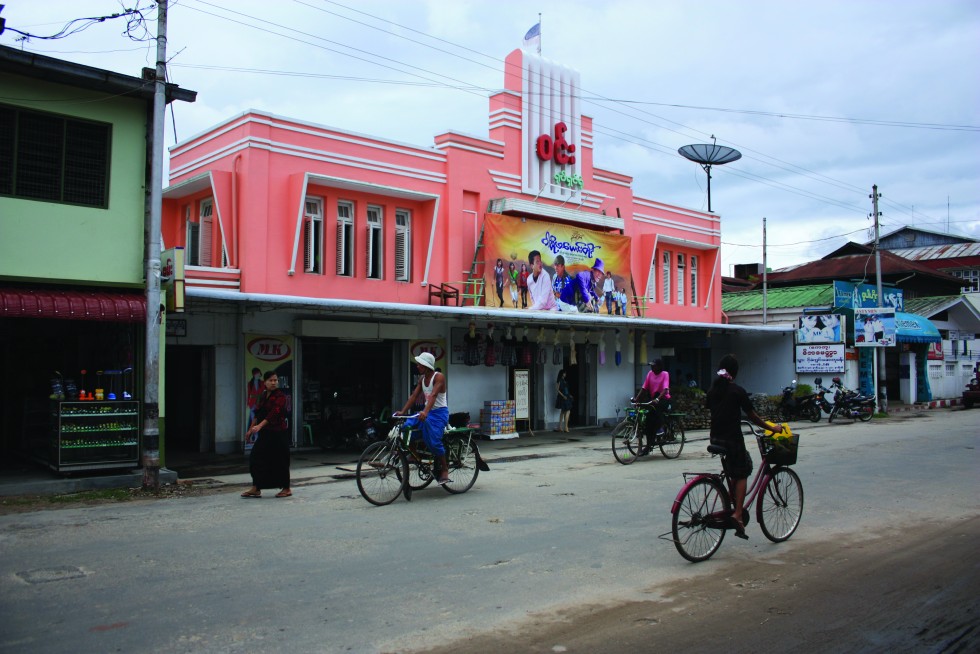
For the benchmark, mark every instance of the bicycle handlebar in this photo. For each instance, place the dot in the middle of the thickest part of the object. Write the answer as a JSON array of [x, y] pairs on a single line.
[[395, 416]]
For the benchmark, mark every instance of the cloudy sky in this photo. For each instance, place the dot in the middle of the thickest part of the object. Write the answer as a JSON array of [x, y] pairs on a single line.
[[823, 98]]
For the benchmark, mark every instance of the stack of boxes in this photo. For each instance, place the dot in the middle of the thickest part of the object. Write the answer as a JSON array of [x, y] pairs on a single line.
[[497, 417]]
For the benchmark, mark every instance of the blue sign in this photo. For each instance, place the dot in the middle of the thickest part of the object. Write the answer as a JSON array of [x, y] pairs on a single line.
[[865, 296]]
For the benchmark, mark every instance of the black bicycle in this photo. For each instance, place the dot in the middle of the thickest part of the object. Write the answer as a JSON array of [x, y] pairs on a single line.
[[629, 439], [400, 464]]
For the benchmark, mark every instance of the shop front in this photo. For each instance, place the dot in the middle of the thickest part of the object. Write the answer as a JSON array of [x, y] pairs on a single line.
[[74, 378]]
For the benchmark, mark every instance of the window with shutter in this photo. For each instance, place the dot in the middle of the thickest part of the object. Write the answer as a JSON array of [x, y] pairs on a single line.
[[345, 239], [375, 249], [651, 288], [192, 239], [313, 235], [665, 276], [403, 245], [680, 278], [206, 232], [694, 279]]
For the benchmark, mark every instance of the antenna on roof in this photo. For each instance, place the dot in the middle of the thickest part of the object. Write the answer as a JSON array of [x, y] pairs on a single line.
[[708, 155]]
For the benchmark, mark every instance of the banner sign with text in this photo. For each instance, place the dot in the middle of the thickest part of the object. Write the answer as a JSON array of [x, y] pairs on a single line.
[[865, 296], [511, 239], [820, 358]]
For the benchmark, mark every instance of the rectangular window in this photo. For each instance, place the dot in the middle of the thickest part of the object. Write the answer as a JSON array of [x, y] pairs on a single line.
[[206, 232], [694, 280], [375, 246], [681, 283], [313, 236], [403, 245], [665, 276], [345, 239], [51, 157]]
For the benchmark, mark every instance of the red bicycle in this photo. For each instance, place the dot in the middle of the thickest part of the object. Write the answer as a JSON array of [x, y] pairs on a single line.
[[703, 509]]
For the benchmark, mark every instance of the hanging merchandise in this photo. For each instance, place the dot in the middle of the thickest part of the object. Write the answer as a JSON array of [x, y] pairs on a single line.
[[527, 352], [509, 357], [559, 356], [471, 347], [490, 356], [631, 347], [619, 354], [542, 350], [588, 350], [602, 349], [573, 358], [643, 347]]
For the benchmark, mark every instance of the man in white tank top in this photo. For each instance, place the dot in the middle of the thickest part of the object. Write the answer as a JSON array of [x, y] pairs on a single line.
[[435, 415]]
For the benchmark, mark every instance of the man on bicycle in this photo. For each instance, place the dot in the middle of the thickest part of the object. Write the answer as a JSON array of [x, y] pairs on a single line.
[[434, 415], [656, 389]]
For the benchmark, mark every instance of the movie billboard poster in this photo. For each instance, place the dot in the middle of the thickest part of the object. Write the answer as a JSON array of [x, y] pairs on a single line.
[[820, 328], [569, 249], [874, 327], [264, 354]]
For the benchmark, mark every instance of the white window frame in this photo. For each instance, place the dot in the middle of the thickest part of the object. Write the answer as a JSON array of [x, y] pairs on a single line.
[[192, 238], [681, 282], [313, 235], [665, 257], [375, 242], [403, 245], [694, 280], [345, 239]]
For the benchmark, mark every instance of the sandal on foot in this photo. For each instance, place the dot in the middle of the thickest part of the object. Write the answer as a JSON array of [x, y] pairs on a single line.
[[285, 493], [249, 493], [443, 482]]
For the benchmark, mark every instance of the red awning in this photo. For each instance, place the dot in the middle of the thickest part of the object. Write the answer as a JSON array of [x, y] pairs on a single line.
[[72, 305]]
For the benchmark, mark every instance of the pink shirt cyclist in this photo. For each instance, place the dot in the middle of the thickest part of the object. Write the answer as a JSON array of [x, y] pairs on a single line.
[[657, 381]]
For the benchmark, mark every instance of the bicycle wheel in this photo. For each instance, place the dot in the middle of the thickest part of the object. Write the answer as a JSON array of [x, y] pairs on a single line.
[[461, 457], [382, 472], [780, 505], [672, 442], [627, 441], [699, 523], [834, 412]]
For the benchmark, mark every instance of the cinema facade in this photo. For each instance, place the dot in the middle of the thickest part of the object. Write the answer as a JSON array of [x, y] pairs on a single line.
[[334, 258]]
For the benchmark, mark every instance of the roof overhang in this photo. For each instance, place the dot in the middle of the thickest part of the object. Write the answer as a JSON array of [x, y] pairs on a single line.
[[368, 187], [188, 187], [362, 308], [106, 306], [913, 328], [530, 208]]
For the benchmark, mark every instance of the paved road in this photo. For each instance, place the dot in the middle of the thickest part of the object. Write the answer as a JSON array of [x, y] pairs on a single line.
[[539, 540]]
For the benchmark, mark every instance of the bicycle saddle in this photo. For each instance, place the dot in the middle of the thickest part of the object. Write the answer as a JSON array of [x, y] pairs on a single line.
[[717, 449]]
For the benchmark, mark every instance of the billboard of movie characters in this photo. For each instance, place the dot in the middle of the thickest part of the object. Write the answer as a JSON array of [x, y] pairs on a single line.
[[820, 328], [874, 327], [580, 270]]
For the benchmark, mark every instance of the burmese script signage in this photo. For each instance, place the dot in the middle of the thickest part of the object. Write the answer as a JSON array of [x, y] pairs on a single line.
[[820, 358]]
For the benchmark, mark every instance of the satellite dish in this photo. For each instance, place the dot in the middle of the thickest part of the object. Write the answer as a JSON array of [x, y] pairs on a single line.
[[708, 155]]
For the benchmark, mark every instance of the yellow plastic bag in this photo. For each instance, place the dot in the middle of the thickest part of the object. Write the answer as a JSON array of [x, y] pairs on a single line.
[[786, 435]]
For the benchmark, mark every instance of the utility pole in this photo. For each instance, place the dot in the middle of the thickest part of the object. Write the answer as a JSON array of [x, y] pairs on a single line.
[[765, 277], [151, 372], [880, 352]]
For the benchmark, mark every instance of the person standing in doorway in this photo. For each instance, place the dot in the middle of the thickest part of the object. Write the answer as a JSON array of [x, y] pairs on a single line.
[[563, 400], [269, 461]]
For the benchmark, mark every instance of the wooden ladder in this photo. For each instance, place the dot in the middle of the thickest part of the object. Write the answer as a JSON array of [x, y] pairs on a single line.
[[475, 283]]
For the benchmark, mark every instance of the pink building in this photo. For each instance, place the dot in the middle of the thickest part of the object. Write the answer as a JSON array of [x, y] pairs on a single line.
[[332, 242]]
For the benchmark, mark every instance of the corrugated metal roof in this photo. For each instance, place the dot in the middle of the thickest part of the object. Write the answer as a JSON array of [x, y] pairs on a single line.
[[817, 295], [948, 251]]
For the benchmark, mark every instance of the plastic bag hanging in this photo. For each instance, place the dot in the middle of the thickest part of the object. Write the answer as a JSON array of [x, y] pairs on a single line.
[[602, 349], [631, 347], [490, 355], [559, 354], [619, 354], [643, 347], [573, 357], [542, 350], [509, 354], [527, 354], [588, 349]]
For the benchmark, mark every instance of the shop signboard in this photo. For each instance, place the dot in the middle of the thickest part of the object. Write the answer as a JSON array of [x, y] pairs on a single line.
[[820, 328], [510, 240], [935, 352], [265, 353], [820, 358], [172, 278], [874, 327], [865, 296], [522, 394]]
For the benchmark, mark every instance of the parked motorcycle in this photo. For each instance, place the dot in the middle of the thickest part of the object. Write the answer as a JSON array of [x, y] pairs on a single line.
[[792, 407], [851, 404], [820, 397]]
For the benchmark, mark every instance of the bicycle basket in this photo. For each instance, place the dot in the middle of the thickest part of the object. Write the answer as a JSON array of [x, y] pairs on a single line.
[[779, 451]]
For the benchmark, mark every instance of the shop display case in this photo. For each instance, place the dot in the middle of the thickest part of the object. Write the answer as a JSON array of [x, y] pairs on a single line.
[[94, 435]]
